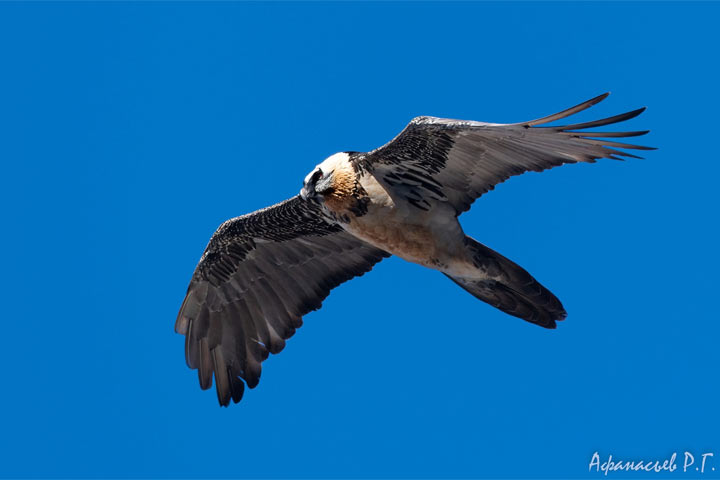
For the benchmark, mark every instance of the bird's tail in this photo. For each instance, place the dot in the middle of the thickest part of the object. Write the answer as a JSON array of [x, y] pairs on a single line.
[[507, 286]]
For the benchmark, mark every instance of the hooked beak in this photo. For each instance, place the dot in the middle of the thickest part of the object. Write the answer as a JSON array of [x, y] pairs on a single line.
[[314, 188], [307, 192]]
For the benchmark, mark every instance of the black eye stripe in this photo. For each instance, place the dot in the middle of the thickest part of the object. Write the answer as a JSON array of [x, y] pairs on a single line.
[[316, 176]]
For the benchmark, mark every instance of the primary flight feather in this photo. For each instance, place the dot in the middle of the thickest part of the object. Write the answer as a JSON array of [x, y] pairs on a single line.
[[263, 271]]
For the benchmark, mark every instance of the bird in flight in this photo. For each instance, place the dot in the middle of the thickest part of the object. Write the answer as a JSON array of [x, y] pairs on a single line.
[[263, 271]]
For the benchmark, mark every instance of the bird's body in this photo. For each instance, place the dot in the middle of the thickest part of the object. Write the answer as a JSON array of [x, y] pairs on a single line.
[[262, 272], [427, 237]]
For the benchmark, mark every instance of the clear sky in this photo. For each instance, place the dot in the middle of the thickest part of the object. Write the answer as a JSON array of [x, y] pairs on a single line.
[[130, 131]]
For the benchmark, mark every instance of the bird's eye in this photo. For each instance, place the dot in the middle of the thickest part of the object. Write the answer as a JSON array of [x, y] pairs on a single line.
[[316, 176]]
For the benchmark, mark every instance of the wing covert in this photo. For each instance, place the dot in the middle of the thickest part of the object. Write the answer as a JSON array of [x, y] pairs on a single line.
[[259, 275], [437, 160]]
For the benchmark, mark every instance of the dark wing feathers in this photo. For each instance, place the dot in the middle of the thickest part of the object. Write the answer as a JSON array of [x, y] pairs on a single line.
[[259, 275], [567, 112], [438, 160]]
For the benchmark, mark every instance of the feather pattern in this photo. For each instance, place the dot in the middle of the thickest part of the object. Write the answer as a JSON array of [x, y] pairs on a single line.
[[259, 275], [435, 160]]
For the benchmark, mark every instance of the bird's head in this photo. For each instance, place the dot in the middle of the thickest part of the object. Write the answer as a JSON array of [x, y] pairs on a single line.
[[323, 180]]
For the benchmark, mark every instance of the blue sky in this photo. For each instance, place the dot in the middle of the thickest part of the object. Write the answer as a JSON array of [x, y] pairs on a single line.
[[130, 131]]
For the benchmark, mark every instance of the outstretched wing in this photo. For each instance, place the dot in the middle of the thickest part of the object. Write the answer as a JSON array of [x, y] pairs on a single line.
[[442, 160], [259, 275]]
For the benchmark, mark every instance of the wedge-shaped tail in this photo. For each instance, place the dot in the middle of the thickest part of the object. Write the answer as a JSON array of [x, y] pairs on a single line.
[[509, 287]]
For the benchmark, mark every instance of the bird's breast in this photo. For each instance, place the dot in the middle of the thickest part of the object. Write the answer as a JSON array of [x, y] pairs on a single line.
[[408, 232], [414, 243]]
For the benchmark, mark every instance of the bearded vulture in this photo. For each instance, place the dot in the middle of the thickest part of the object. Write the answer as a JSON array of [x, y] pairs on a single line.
[[263, 271]]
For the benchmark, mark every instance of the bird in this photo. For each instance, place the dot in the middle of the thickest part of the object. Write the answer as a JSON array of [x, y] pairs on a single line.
[[262, 272]]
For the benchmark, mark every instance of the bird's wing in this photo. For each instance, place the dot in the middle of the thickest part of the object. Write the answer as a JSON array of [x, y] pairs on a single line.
[[259, 275], [442, 160]]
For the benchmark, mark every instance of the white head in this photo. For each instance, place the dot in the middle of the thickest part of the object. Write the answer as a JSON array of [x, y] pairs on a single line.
[[321, 180]]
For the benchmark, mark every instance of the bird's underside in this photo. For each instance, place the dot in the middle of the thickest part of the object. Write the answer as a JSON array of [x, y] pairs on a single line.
[[262, 272]]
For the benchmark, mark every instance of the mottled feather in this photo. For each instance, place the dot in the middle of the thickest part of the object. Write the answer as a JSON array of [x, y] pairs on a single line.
[[436, 160], [259, 275]]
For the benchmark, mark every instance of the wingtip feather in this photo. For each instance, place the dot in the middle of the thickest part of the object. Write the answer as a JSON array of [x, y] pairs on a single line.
[[567, 112]]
